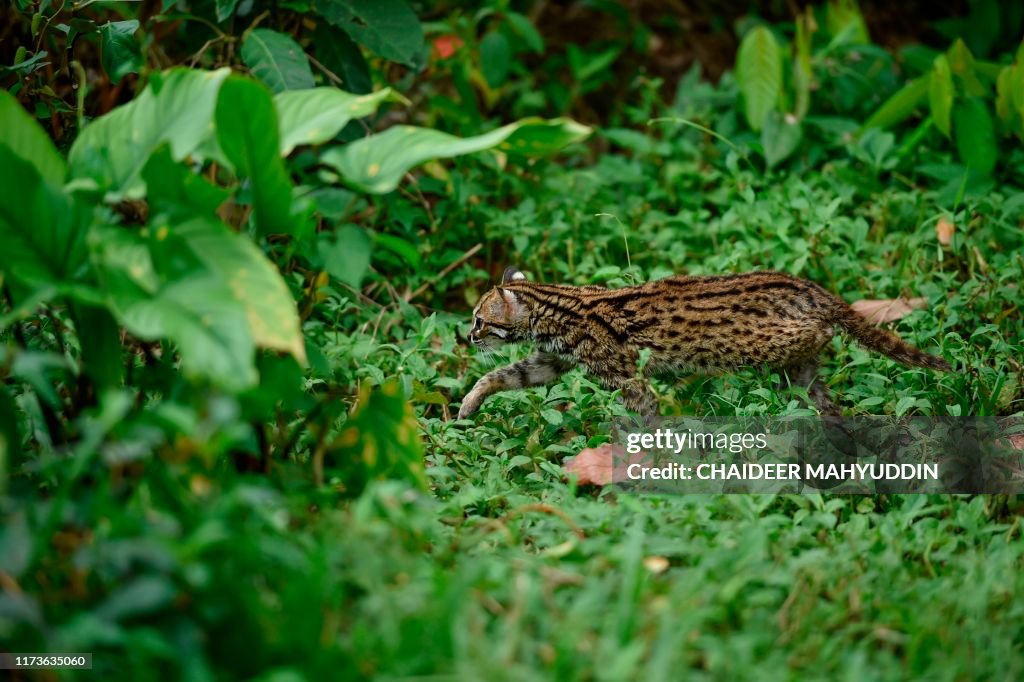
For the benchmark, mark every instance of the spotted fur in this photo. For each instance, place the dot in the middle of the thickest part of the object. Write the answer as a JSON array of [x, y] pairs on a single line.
[[687, 323]]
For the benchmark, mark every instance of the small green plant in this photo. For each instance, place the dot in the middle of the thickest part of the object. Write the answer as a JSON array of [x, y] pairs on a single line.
[[972, 103]]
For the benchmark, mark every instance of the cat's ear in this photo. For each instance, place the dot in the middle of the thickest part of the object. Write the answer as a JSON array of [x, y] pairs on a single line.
[[512, 274], [510, 300]]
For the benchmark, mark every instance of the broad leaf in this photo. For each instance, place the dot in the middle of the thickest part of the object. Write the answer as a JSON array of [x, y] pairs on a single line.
[[252, 280], [940, 94], [495, 58], [387, 28], [176, 107], [121, 54], [225, 8], [42, 229], [277, 60], [100, 340], [900, 106], [27, 140], [759, 75], [10, 436], [975, 135], [247, 133], [175, 193], [346, 254], [379, 441], [342, 57], [196, 310], [315, 116], [779, 138], [377, 163]]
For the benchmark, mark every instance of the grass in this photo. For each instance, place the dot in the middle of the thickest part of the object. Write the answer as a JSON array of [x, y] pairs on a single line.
[[506, 570]]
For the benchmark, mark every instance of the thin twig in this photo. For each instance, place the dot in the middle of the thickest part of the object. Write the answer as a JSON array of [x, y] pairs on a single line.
[[333, 77], [451, 266]]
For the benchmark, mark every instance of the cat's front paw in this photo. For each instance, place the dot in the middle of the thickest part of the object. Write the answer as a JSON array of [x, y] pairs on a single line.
[[470, 404]]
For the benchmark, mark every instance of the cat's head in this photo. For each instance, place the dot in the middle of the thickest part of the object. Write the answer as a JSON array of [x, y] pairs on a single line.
[[501, 316]]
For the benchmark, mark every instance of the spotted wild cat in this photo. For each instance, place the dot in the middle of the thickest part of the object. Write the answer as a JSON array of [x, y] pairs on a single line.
[[687, 323]]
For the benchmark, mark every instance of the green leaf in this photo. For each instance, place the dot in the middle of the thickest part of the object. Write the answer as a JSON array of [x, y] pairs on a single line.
[[195, 310], [900, 106], [175, 193], [176, 107], [346, 254], [100, 341], [27, 140], [759, 75], [226, 8], [43, 231], [247, 133], [495, 58], [940, 94], [317, 115], [377, 163], [962, 66], [779, 138], [1010, 112], [253, 281], [10, 437], [975, 135], [277, 60], [388, 28], [343, 58], [379, 441], [526, 30], [121, 53]]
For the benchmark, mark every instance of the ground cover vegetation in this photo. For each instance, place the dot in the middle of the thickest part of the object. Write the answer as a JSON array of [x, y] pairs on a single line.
[[241, 241]]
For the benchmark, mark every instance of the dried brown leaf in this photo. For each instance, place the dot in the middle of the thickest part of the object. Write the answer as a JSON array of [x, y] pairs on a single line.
[[602, 465], [887, 310], [944, 230]]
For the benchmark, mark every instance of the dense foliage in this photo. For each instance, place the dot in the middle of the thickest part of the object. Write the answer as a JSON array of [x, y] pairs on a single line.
[[240, 241]]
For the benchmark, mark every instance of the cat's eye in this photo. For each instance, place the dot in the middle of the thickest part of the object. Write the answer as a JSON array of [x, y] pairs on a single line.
[[477, 323]]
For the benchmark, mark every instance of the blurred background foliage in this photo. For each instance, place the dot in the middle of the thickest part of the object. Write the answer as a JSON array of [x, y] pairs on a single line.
[[241, 240]]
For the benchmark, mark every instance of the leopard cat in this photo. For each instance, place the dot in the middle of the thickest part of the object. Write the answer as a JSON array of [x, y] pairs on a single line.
[[688, 324]]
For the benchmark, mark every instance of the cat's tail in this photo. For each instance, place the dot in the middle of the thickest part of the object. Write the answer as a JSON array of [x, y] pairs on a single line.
[[886, 342]]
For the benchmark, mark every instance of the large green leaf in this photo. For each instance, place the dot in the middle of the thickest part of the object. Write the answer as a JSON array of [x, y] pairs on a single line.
[[779, 138], [940, 94], [225, 8], [175, 108], [379, 441], [195, 309], [345, 254], [377, 163], [336, 51], [175, 193], [315, 116], [247, 133], [253, 281], [975, 135], [99, 338], [495, 58], [42, 228], [277, 60], [26, 139], [10, 436], [385, 27], [900, 106], [1010, 99], [121, 54], [759, 75]]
